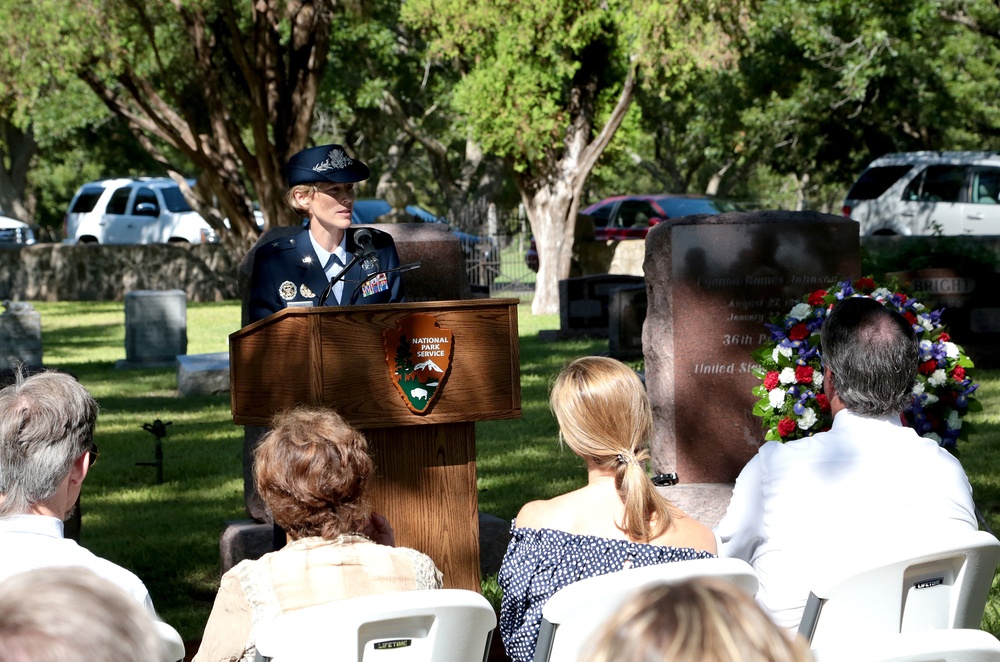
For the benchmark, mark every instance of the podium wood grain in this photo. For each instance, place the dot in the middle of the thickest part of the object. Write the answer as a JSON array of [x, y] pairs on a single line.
[[426, 464]]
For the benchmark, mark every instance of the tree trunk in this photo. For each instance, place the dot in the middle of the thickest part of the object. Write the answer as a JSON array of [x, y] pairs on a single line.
[[552, 189], [20, 149], [237, 164]]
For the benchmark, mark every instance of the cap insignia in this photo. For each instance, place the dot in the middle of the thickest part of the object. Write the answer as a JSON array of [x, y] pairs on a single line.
[[335, 160]]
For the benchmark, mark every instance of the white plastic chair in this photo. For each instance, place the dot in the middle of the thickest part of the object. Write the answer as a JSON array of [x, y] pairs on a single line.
[[928, 585], [171, 644], [444, 625], [575, 612], [926, 646]]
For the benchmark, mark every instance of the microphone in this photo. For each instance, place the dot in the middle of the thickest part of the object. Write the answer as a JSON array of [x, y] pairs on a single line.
[[333, 281], [363, 238]]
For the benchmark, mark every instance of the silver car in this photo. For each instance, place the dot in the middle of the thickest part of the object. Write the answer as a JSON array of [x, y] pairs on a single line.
[[924, 193]]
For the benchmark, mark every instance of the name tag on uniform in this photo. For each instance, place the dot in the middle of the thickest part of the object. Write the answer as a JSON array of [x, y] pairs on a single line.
[[377, 284]]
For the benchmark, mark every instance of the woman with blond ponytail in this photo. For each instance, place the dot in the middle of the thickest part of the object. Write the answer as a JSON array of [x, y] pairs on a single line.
[[617, 521]]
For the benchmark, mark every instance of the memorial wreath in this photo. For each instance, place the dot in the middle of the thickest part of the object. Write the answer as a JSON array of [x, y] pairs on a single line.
[[792, 404]]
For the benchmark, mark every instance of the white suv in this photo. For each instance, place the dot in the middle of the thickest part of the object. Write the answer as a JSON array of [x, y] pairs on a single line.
[[134, 211], [919, 193], [15, 233]]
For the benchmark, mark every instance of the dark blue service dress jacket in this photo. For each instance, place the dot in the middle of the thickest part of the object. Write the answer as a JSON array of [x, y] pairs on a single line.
[[287, 270]]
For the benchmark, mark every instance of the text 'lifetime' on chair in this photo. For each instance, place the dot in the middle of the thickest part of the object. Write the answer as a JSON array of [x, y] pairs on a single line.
[[574, 613], [445, 625], [933, 583]]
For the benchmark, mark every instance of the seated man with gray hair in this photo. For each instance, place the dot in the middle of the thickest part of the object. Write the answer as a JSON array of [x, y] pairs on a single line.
[[810, 506], [46, 448]]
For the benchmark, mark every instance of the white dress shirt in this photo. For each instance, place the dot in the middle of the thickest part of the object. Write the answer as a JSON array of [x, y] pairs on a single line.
[[331, 270], [803, 509], [29, 542]]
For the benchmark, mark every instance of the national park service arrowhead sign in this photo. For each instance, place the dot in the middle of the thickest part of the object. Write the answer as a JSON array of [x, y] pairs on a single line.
[[418, 352]]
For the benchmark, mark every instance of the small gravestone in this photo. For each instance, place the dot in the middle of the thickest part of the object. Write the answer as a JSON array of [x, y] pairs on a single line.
[[627, 312], [20, 335], [155, 328], [712, 282], [584, 303], [203, 374]]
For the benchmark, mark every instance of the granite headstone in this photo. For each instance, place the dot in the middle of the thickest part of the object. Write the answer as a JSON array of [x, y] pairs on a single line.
[[584, 303], [155, 327], [20, 335], [712, 281], [626, 313]]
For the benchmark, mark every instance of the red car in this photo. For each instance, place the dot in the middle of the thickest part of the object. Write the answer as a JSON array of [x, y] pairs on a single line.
[[631, 216]]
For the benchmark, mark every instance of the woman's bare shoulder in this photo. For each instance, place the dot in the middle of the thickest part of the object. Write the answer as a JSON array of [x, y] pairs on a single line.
[[547, 513], [685, 531]]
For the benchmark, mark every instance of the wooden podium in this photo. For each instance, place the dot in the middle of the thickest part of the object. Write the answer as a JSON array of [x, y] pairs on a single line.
[[426, 462]]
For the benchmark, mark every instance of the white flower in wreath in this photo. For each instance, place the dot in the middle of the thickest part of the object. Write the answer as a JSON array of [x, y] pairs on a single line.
[[925, 322], [937, 378], [817, 379], [776, 398], [918, 307], [787, 376], [800, 311], [918, 388], [954, 420], [929, 399], [951, 350], [934, 436], [781, 350], [807, 419], [881, 294]]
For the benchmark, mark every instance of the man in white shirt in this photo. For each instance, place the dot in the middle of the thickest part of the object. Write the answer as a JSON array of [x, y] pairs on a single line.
[[46, 448], [804, 509]]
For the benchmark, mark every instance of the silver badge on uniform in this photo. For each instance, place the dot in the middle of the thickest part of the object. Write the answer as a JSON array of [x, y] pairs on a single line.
[[287, 290], [305, 291], [370, 263]]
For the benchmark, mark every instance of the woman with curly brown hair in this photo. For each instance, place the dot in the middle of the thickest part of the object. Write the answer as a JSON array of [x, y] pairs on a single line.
[[312, 471]]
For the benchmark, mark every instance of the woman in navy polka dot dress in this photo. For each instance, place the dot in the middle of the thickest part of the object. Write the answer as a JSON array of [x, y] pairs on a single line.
[[617, 521]]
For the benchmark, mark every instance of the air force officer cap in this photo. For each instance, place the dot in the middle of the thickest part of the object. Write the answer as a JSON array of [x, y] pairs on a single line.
[[324, 163]]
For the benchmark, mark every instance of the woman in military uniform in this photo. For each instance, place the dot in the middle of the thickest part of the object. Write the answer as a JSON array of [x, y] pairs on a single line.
[[296, 270]]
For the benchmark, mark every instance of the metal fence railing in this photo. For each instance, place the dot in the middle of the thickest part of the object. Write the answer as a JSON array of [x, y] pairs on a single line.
[[495, 246]]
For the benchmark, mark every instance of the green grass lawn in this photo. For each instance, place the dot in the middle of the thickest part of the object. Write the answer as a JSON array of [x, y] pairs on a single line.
[[169, 534]]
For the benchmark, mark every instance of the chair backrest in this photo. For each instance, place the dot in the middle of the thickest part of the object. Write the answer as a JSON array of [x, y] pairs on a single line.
[[922, 646], [171, 644], [444, 625], [929, 585], [575, 612]]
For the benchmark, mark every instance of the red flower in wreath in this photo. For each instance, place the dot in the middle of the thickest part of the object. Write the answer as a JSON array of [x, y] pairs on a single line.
[[944, 337], [958, 373], [864, 284], [803, 374], [823, 402], [786, 426], [798, 332], [910, 317], [927, 367], [816, 298], [771, 380]]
